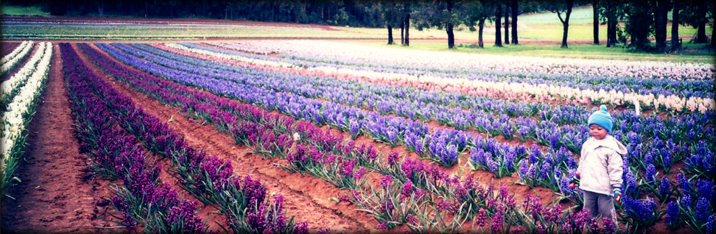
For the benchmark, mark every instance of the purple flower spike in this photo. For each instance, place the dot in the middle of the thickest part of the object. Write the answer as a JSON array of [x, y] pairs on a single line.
[[386, 181]]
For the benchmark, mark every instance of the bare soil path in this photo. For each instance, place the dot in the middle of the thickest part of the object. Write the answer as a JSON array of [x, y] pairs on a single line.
[[52, 196], [7, 48]]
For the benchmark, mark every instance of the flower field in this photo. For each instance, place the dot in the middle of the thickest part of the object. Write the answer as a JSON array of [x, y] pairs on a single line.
[[337, 137]]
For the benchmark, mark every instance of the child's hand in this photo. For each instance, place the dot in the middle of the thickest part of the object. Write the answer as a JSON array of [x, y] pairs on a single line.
[[618, 195], [574, 182]]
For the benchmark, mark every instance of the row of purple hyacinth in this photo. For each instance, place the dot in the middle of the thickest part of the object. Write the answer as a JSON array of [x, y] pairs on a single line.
[[646, 128], [651, 126], [142, 199], [247, 132], [210, 179], [479, 113]]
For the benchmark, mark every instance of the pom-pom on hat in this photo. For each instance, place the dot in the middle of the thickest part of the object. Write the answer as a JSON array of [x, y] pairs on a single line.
[[601, 118]]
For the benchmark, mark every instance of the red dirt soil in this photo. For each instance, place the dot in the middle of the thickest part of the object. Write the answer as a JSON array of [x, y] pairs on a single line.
[[306, 197], [8, 47], [52, 197]]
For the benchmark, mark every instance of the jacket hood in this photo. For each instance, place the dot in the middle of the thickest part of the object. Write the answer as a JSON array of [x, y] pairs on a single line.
[[612, 143]]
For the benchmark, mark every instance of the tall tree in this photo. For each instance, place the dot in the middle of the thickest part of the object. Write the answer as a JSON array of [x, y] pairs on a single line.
[[515, 11], [391, 13], [611, 12], [701, 22], [507, 25], [498, 25], [595, 11], [639, 24], [660, 16], [694, 13], [477, 12], [450, 24], [441, 14], [559, 7], [402, 31], [406, 9], [675, 45]]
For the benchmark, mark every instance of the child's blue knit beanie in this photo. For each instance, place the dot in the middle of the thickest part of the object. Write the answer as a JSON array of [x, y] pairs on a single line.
[[601, 118]]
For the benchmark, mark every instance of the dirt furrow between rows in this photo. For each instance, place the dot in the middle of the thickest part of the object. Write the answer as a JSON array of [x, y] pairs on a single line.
[[52, 196], [306, 197], [7, 48]]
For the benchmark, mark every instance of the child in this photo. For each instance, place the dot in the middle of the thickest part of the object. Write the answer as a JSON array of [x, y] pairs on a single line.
[[600, 166]]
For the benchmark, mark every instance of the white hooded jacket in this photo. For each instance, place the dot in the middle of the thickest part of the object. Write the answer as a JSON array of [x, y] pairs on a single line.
[[600, 165]]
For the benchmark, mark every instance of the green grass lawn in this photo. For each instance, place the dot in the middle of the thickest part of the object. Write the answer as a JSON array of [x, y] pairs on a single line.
[[582, 15], [575, 51], [578, 16], [23, 11]]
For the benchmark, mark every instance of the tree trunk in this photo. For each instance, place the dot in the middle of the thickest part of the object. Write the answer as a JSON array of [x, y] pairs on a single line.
[[498, 25], [675, 45], [565, 22], [407, 29], [390, 35], [402, 32], [450, 34], [507, 25], [701, 15], [514, 22], [595, 10], [660, 25], [611, 24], [480, 25]]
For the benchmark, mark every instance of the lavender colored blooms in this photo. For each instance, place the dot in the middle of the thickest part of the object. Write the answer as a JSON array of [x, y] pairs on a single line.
[[664, 187], [672, 213], [686, 201], [407, 190], [608, 225], [386, 181], [497, 219], [705, 188], [650, 173], [702, 207], [357, 175]]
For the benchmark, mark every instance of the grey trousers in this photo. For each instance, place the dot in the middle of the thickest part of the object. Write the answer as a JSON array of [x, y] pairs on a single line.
[[599, 204]]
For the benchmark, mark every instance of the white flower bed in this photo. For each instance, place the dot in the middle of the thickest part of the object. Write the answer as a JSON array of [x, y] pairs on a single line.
[[10, 60], [514, 91], [522, 64], [20, 111], [11, 85]]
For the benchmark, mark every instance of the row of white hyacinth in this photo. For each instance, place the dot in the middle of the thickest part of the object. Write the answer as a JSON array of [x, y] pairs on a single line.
[[510, 90], [18, 114], [232, 57], [435, 59], [9, 61], [12, 85]]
